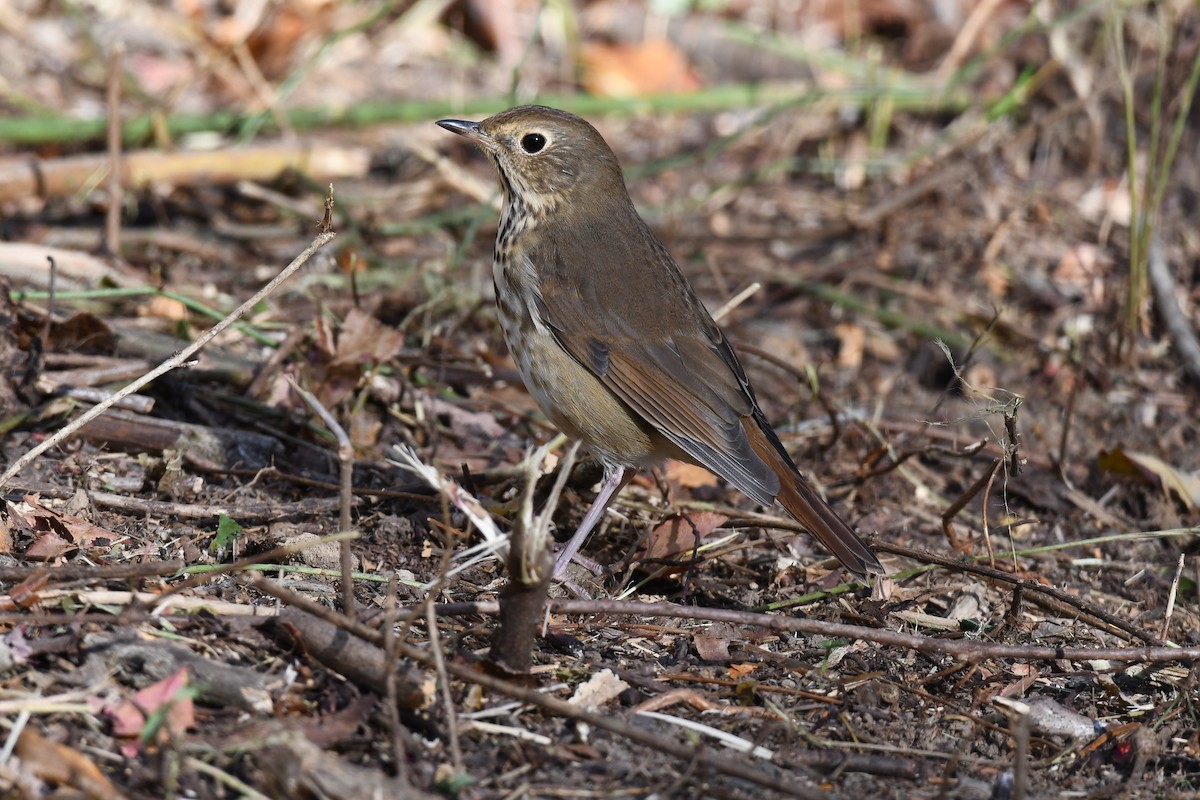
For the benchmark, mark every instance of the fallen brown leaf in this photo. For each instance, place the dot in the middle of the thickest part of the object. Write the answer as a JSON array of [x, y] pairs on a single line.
[[58, 764], [637, 70]]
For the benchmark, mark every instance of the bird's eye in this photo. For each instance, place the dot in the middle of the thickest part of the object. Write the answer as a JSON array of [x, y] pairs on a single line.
[[533, 142]]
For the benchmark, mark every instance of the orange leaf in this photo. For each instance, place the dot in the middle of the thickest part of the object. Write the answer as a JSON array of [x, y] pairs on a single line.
[[688, 476], [636, 70], [739, 671], [56, 763]]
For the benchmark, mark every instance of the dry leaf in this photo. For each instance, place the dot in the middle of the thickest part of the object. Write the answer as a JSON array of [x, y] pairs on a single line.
[[165, 308], [637, 70], [462, 422], [168, 695], [598, 690], [713, 643], [688, 476], [1106, 202], [49, 546], [1155, 471], [365, 425], [711, 648], [56, 534], [364, 339], [58, 764], [26, 593], [82, 332], [739, 671], [678, 535], [14, 649], [853, 339]]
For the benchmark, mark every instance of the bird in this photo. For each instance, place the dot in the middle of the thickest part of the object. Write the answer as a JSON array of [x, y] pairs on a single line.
[[610, 338]]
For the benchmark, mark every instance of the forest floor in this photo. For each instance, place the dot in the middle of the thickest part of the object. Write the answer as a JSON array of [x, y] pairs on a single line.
[[924, 227]]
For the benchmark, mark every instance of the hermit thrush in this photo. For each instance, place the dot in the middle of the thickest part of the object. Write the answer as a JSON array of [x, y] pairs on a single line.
[[610, 338]]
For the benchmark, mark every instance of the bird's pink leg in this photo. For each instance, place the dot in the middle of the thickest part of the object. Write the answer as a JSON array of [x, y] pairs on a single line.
[[615, 480]]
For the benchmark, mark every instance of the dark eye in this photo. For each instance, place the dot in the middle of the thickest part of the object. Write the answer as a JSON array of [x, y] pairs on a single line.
[[533, 142]]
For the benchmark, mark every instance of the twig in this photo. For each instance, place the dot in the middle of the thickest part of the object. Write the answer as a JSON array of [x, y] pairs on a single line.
[[94, 572], [271, 366], [389, 680], [786, 785], [439, 663], [360, 662], [1019, 723], [345, 494], [247, 511], [112, 216], [431, 591], [530, 567], [171, 363], [1166, 626], [1167, 302], [987, 535], [963, 43], [1065, 438], [68, 175], [1035, 589], [266, 93], [958, 505], [242, 563], [964, 649], [736, 300], [137, 403]]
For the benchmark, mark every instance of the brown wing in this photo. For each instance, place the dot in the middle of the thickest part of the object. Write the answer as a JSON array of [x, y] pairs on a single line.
[[656, 346]]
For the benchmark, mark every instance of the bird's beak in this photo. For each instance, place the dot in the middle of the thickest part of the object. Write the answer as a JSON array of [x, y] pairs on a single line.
[[471, 130]]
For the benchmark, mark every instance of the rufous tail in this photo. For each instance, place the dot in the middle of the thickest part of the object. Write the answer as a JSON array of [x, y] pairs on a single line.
[[806, 506]]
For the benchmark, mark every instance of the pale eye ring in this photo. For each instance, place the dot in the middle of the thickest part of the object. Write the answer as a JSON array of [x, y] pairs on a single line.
[[533, 143]]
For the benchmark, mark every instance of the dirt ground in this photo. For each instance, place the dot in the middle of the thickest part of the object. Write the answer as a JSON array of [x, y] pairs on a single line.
[[954, 244]]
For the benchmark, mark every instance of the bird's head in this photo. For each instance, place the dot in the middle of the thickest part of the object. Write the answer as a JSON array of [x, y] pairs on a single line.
[[544, 157]]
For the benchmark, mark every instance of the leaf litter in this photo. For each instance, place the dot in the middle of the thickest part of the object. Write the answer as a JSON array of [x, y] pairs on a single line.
[[875, 230]]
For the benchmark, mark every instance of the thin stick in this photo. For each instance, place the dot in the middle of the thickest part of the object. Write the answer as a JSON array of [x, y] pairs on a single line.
[[171, 363], [789, 785], [112, 218], [987, 536], [1171, 598], [1166, 301], [262, 87], [1019, 727], [389, 651], [439, 663], [243, 789], [736, 300], [958, 505], [1068, 415], [969, 650], [345, 494], [967, 36]]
